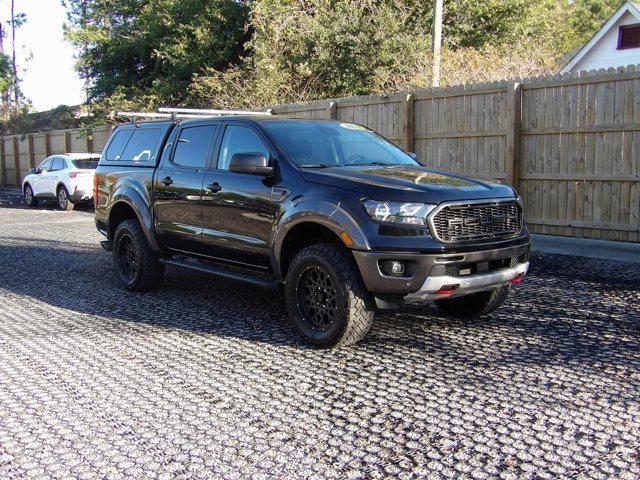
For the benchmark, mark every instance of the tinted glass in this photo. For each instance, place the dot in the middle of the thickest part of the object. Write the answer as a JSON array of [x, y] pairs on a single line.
[[142, 145], [58, 164], [193, 146], [333, 143], [87, 164], [239, 140], [117, 144], [46, 165]]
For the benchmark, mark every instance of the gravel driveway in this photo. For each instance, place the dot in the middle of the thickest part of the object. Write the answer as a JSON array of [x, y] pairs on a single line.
[[205, 378]]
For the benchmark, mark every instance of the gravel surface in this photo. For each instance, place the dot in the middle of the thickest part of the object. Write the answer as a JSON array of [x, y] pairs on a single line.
[[205, 378]]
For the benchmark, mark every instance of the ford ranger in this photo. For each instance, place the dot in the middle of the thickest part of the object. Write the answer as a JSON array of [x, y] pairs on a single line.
[[342, 219]]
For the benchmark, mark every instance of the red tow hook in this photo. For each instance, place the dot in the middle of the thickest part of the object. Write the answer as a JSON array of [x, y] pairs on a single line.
[[447, 289], [518, 279]]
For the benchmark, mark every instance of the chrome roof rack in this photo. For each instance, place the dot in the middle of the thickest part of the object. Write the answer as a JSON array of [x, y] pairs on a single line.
[[175, 113]]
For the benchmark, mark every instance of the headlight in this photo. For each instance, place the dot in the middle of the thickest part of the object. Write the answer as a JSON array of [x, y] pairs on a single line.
[[398, 212]]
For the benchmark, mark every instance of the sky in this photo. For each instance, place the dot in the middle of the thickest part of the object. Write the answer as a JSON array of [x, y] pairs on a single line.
[[49, 79]]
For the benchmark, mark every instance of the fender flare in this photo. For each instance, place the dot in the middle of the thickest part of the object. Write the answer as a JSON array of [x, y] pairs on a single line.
[[137, 198], [319, 211]]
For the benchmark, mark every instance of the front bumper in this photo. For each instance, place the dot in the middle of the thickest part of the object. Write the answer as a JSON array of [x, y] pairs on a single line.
[[426, 273]]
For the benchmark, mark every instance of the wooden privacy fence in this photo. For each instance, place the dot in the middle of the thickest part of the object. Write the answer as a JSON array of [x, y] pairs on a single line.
[[570, 144]]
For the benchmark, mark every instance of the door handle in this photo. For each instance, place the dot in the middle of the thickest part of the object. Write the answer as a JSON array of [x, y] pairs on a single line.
[[167, 181], [215, 187]]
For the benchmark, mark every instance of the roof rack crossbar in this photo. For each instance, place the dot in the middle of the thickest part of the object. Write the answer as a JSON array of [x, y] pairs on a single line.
[[200, 112], [144, 114]]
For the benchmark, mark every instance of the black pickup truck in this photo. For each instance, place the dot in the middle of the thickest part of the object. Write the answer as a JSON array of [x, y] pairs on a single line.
[[342, 218]]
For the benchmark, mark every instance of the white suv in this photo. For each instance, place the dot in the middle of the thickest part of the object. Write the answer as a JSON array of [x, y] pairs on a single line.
[[66, 178]]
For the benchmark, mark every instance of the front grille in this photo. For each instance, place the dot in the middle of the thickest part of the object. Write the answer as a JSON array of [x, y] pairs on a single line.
[[457, 223]]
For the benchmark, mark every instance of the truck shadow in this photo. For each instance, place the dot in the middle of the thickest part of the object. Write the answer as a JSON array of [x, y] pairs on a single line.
[[543, 322]]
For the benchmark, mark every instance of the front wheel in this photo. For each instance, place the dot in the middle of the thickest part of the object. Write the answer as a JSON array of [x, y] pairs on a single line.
[[326, 297], [476, 304], [138, 267], [29, 198], [63, 199]]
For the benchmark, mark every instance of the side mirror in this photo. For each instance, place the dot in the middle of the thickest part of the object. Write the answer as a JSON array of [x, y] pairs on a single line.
[[252, 163], [33, 171]]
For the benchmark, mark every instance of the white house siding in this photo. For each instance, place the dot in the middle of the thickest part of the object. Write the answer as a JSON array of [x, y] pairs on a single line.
[[605, 53]]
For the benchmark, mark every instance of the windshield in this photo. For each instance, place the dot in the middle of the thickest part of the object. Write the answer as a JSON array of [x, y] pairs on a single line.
[[330, 144], [86, 164]]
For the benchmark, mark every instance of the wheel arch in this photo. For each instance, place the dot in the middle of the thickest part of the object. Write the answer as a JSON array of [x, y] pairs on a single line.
[[127, 203], [310, 223]]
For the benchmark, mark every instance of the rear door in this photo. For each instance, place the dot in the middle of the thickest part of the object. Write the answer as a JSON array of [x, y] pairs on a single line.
[[51, 179], [178, 188]]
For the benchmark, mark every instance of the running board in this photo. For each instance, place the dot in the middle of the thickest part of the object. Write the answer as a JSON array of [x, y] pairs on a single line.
[[221, 272]]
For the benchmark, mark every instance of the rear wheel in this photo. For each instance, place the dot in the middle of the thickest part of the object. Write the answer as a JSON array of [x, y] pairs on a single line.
[[476, 304], [63, 199], [138, 267], [326, 297], [29, 198]]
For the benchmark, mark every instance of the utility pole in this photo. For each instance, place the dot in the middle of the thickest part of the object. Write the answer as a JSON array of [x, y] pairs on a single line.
[[436, 41], [16, 91]]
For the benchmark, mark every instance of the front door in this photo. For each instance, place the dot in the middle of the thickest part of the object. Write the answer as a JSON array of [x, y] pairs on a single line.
[[41, 179], [178, 189], [238, 211]]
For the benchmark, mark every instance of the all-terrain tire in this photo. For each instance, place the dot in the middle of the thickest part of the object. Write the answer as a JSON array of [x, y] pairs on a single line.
[[62, 199], [352, 312], [476, 304], [29, 198], [137, 266]]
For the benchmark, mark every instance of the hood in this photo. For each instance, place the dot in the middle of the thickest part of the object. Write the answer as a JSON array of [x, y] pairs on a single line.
[[407, 183]]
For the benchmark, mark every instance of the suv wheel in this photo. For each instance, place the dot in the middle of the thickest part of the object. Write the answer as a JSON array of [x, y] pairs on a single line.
[[138, 267], [63, 199], [326, 298], [476, 304], [29, 198]]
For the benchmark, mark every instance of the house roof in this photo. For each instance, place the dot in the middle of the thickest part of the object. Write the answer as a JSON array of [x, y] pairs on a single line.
[[632, 7]]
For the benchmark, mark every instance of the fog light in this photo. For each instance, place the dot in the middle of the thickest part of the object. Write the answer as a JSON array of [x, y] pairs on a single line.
[[393, 267]]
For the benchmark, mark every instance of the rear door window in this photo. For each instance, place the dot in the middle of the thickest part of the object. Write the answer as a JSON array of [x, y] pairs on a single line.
[[142, 145], [193, 146], [117, 144]]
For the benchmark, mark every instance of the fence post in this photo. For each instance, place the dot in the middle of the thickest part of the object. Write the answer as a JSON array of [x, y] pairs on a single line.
[[332, 110], [514, 121], [3, 163], [67, 142], [408, 127], [16, 161], [32, 154], [47, 144], [89, 139]]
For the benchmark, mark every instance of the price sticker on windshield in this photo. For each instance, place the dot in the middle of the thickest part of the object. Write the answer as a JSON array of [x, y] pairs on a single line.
[[352, 126]]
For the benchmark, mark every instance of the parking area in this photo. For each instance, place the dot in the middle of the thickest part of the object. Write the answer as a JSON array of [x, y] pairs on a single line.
[[205, 378]]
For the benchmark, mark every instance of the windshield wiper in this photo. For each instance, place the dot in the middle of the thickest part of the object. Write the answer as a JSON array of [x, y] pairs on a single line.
[[369, 164], [318, 165]]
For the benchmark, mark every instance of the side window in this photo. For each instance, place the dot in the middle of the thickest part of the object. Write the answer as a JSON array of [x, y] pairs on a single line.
[[239, 140], [192, 148], [142, 145], [117, 144], [58, 164], [45, 166]]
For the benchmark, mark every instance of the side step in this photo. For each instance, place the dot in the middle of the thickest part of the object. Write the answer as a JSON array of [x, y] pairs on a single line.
[[221, 272]]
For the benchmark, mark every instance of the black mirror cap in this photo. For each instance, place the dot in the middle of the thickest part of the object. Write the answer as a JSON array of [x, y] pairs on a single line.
[[33, 171], [252, 163]]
